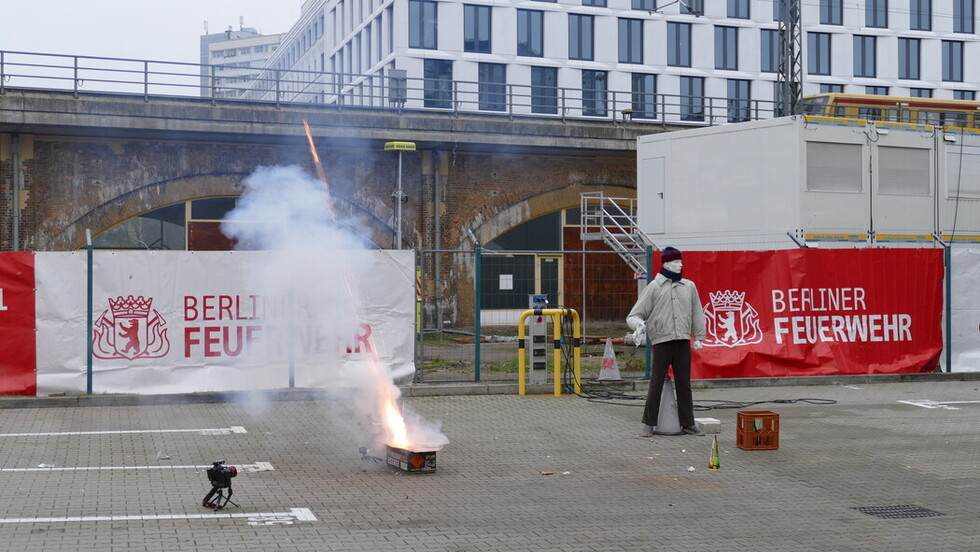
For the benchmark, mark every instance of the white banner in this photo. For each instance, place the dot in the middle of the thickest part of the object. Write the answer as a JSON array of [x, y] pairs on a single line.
[[178, 322], [965, 311]]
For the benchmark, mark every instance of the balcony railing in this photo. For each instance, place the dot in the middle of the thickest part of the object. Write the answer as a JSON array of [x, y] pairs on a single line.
[[146, 78]]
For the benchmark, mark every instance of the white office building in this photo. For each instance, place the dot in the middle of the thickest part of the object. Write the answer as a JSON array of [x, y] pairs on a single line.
[[232, 60], [613, 58]]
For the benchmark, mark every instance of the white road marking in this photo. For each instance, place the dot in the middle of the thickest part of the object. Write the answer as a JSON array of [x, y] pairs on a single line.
[[263, 518], [927, 403], [256, 467], [207, 431]]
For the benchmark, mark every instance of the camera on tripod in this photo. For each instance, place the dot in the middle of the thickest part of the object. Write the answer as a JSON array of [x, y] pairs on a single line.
[[220, 477]]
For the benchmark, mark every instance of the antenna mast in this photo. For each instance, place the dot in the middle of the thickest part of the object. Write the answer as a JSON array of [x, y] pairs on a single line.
[[790, 76]]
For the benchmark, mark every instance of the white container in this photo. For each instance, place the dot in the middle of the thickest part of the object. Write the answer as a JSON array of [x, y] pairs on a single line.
[[779, 183]]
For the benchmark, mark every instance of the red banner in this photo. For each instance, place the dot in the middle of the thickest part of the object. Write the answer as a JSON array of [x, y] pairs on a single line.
[[816, 312], [17, 344]]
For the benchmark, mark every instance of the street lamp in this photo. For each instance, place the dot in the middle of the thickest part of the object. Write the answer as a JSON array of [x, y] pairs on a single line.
[[399, 147]]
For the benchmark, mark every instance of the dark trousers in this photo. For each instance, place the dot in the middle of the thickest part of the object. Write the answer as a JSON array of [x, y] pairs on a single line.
[[676, 354]]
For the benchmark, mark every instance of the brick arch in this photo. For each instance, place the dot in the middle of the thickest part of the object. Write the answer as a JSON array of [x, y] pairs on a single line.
[[167, 192], [541, 204]]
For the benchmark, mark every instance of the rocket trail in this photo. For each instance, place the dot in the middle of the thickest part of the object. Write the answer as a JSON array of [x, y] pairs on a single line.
[[391, 416]]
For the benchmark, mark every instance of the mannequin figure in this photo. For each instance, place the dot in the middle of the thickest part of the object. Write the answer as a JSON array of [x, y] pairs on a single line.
[[668, 312]]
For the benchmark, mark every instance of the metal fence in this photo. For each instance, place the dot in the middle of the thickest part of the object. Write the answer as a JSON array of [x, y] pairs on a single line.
[[471, 300], [220, 83]]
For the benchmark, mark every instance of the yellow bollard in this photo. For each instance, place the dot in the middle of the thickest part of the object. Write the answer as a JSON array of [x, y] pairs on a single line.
[[576, 351]]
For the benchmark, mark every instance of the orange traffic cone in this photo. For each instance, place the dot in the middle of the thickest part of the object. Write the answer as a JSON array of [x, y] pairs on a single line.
[[714, 463], [609, 370]]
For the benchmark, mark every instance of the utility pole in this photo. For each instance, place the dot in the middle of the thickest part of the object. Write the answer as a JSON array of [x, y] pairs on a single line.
[[399, 196], [790, 76]]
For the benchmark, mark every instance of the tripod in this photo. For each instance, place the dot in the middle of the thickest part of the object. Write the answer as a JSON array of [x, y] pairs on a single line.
[[217, 505]]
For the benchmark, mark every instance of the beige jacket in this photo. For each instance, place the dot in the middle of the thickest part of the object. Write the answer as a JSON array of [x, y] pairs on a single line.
[[671, 310]]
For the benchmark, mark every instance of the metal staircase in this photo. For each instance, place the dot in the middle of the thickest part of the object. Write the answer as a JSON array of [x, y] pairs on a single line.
[[613, 220]]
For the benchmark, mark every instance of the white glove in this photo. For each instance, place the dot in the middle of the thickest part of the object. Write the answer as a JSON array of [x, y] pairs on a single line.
[[698, 345], [640, 334]]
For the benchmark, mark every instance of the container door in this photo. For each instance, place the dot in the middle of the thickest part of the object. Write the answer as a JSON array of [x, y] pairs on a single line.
[[903, 187], [650, 194]]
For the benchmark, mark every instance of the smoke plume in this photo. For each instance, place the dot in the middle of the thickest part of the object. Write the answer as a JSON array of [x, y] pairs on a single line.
[[313, 278]]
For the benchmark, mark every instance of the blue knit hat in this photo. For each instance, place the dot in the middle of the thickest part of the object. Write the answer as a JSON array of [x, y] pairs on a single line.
[[669, 254]]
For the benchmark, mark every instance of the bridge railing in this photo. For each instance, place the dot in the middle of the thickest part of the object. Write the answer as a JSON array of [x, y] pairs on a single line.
[[216, 82]]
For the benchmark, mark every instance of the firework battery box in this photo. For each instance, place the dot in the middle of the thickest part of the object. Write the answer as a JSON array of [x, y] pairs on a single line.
[[410, 461]]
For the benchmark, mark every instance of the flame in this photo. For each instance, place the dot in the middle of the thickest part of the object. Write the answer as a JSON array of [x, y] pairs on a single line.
[[394, 424]]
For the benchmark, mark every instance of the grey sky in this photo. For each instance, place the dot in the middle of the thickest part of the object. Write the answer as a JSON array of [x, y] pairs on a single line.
[[135, 29]]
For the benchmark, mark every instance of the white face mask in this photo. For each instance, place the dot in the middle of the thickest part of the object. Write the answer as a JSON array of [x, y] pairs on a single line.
[[674, 266]]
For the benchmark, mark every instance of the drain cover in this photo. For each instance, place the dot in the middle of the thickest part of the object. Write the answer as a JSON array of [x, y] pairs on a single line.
[[898, 512]]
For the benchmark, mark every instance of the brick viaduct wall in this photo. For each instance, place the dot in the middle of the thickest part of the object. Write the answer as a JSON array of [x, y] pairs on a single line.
[[78, 183]]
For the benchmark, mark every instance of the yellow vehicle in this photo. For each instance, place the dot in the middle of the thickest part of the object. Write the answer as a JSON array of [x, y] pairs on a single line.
[[923, 111]]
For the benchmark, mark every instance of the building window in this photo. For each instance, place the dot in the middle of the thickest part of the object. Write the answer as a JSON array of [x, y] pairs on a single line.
[[630, 41], [476, 28], [678, 44], [963, 14], [770, 51], [644, 99], [831, 88], [692, 98], [908, 58], [726, 48], [831, 12], [438, 86], [876, 13], [739, 100], [493, 87], [594, 93], [864, 56], [964, 95], [648, 5], [165, 229], [692, 7], [738, 9], [422, 22], [920, 14], [952, 61], [818, 54], [544, 90], [596, 3], [390, 27], [876, 90], [580, 29], [530, 33], [920, 92]]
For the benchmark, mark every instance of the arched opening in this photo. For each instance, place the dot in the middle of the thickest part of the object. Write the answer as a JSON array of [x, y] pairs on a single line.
[[546, 255]]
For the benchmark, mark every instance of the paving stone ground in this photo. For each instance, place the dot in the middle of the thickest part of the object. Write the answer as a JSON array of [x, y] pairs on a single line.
[[611, 489]]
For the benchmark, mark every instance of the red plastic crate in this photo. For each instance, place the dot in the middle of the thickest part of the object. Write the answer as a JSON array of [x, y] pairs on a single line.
[[757, 430]]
